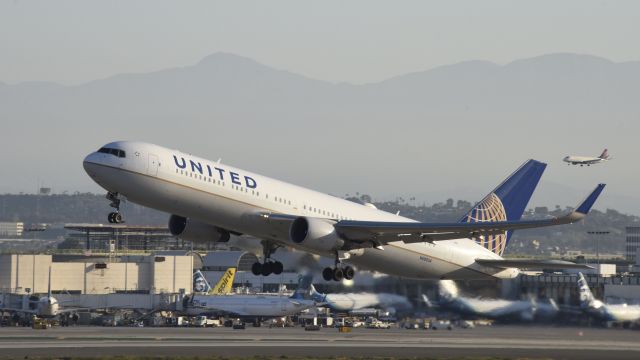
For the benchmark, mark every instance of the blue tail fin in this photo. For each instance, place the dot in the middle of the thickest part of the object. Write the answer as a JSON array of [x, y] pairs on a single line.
[[304, 287], [507, 202]]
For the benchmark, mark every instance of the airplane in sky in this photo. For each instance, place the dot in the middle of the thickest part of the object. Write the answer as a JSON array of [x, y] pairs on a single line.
[[587, 160], [45, 307], [209, 201], [253, 307], [224, 285], [602, 311], [356, 301], [498, 309]]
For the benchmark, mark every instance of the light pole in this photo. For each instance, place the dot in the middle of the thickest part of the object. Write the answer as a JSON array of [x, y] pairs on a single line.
[[597, 235]]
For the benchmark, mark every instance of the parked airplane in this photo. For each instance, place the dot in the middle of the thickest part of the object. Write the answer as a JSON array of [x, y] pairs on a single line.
[[587, 160], [357, 301], [224, 285], [252, 306], [45, 307], [602, 311], [497, 309], [210, 200]]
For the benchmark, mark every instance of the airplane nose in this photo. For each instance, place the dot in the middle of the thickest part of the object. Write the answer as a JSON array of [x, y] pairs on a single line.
[[90, 163]]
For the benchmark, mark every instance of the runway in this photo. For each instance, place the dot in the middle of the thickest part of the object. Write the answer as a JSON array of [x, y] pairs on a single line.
[[499, 341]]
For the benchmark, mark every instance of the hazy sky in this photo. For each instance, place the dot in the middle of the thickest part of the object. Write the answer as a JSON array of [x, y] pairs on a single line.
[[355, 41], [72, 42]]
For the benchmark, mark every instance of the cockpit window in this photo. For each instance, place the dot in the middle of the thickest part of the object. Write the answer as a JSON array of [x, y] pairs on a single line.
[[116, 152]]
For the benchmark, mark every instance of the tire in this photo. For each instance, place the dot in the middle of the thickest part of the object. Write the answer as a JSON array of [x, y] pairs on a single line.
[[277, 267], [256, 268], [349, 273], [110, 217], [338, 274], [117, 218], [327, 274], [266, 269]]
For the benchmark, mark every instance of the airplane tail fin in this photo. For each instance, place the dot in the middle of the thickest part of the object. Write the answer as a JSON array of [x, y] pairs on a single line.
[[448, 290], [49, 284], [586, 297], [225, 283], [426, 301], [304, 287], [200, 283], [315, 295], [506, 202], [604, 155]]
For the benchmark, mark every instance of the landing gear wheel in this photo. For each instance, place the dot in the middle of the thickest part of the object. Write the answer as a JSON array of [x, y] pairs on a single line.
[[348, 272], [338, 274], [277, 267], [327, 274], [256, 268], [115, 218], [266, 269]]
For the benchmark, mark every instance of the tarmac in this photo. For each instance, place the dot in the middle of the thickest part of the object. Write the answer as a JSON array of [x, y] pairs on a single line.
[[535, 342]]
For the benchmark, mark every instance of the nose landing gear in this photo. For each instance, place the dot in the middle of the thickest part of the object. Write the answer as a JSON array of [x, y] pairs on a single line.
[[114, 217]]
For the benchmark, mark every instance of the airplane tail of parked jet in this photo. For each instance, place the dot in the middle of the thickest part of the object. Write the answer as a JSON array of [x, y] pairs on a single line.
[[200, 284], [586, 297], [225, 283], [448, 290], [304, 288], [506, 202]]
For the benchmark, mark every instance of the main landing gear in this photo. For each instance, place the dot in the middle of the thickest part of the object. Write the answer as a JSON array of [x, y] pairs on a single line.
[[114, 217], [338, 272], [269, 266]]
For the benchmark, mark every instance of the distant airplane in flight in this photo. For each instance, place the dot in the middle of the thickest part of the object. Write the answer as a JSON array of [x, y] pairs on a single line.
[[587, 160]]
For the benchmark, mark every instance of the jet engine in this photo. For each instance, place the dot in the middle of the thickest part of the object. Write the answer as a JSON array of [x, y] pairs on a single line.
[[196, 231], [314, 233]]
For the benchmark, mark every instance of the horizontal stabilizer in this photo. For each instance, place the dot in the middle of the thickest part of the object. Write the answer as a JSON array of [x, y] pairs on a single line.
[[531, 264]]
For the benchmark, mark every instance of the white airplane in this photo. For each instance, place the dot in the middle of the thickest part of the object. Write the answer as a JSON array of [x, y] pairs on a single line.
[[602, 311], [252, 306], [587, 160], [46, 307], [210, 200], [357, 301], [497, 309]]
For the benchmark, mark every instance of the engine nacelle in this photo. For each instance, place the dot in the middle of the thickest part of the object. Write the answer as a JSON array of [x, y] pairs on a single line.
[[315, 233], [196, 231]]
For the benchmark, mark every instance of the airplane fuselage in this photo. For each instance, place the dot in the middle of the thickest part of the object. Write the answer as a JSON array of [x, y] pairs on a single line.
[[247, 305], [234, 199]]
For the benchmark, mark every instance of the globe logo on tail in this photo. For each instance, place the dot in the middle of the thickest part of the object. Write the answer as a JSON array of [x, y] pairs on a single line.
[[490, 209]]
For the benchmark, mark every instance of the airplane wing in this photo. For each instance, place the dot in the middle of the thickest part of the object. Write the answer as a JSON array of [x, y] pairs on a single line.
[[15, 310], [367, 234], [531, 264], [72, 310], [412, 232]]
